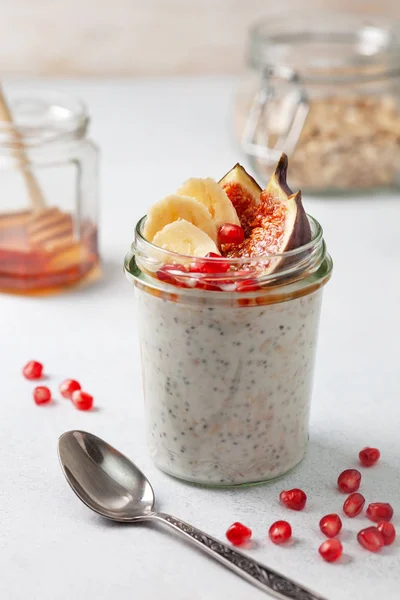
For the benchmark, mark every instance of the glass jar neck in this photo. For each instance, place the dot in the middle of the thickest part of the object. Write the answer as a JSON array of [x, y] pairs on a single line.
[[278, 277], [327, 47], [42, 118]]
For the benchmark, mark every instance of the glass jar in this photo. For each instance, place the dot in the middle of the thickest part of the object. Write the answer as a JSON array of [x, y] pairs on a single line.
[[324, 89], [227, 375], [49, 199]]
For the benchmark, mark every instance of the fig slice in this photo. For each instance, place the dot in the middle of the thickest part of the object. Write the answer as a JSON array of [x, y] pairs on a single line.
[[244, 193], [279, 222]]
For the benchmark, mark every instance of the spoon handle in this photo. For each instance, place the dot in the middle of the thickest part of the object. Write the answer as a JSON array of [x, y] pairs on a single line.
[[265, 578]]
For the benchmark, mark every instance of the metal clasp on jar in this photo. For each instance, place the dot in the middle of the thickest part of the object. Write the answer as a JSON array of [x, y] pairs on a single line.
[[285, 122]]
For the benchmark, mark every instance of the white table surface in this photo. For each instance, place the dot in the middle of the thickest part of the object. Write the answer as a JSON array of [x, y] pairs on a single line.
[[153, 135]]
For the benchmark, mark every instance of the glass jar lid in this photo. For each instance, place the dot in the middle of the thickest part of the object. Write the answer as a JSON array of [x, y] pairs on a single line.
[[327, 46]]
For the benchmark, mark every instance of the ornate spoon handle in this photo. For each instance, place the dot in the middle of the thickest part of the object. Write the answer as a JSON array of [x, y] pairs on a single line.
[[266, 579]]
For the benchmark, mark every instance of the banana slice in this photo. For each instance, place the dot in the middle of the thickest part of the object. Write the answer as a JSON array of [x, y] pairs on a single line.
[[209, 192], [184, 238], [176, 207]]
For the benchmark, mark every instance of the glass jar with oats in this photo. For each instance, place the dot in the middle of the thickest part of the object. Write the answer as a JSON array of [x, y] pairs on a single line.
[[325, 89]]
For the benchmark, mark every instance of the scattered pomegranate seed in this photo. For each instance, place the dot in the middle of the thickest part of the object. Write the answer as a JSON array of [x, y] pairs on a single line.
[[371, 539], [238, 534], [229, 233], [379, 511], [33, 370], [331, 550], [295, 499], [248, 285], [330, 525], [82, 400], [210, 266], [69, 386], [167, 273], [388, 531], [349, 481], [353, 505], [280, 532], [369, 456], [41, 394]]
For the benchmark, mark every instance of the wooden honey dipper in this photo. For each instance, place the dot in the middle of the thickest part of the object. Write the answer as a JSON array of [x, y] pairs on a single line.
[[47, 227]]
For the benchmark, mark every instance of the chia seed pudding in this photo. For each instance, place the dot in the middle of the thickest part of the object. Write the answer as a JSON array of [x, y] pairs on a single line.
[[227, 389], [228, 326]]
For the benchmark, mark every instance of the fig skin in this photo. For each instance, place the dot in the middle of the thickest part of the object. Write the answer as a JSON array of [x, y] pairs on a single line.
[[301, 232], [240, 175], [244, 193]]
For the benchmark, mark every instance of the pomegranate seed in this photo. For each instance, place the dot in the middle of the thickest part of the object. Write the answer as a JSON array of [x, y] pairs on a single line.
[[331, 550], [353, 505], [349, 481], [196, 267], [248, 285], [82, 400], [41, 394], [369, 456], [379, 511], [229, 233], [210, 266], [238, 534], [69, 386], [246, 273], [32, 370], [167, 273], [295, 499], [207, 285], [388, 531], [280, 532], [330, 525], [371, 539]]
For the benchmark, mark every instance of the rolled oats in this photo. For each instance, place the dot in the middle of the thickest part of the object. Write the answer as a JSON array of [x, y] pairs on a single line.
[[347, 142]]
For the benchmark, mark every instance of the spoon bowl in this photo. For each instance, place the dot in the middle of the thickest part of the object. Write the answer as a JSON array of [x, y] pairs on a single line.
[[113, 486], [103, 478]]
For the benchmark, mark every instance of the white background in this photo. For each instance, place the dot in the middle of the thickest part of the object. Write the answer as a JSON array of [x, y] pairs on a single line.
[[155, 134]]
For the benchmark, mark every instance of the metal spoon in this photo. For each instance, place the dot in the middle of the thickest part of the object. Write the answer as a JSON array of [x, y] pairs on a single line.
[[111, 485]]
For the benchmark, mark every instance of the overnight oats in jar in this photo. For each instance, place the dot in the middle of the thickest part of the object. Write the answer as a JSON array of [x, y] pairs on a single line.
[[228, 283]]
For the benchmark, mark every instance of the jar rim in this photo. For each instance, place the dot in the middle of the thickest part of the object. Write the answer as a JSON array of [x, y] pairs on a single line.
[[348, 46], [43, 117], [145, 259], [316, 238]]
